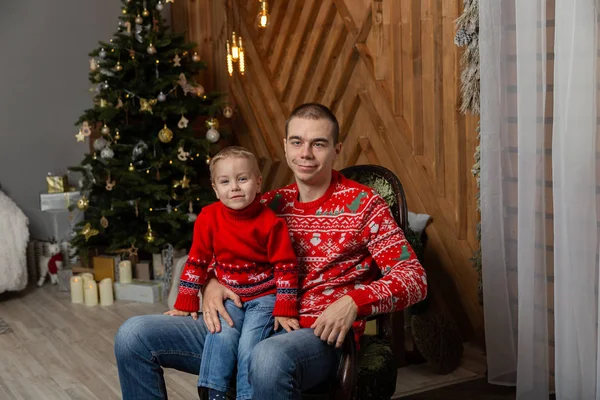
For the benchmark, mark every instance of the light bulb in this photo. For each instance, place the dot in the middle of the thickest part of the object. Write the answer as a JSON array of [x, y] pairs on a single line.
[[262, 19], [229, 60], [235, 51], [242, 58]]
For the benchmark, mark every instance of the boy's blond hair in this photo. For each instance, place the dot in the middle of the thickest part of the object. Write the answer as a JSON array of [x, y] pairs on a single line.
[[234, 152]]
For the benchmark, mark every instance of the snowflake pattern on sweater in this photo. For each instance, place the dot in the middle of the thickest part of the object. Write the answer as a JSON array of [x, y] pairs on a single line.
[[249, 252], [344, 242]]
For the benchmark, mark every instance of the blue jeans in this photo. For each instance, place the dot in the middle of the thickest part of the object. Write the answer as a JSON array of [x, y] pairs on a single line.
[[281, 367], [233, 345]]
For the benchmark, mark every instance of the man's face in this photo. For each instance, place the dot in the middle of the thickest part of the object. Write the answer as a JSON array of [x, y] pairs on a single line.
[[310, 150], [235, 182]]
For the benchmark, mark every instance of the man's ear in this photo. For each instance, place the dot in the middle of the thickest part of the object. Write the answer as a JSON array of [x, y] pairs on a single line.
[[215, 189], [338, 149]]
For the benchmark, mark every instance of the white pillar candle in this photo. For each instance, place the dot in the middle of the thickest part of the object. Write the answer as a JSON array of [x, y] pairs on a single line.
[[86, 276], [106, 292], [76, 289], [90, 293], [125, 271]]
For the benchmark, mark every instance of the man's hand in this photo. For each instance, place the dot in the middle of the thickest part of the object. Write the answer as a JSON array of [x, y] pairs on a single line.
[[336, 321], [289, 324], [212, 304]]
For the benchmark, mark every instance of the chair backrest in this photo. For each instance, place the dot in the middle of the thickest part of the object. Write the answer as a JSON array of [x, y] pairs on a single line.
[[386, 183], [389, 326]]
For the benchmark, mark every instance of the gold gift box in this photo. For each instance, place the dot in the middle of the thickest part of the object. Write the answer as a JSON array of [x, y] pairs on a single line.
[[57, 184]]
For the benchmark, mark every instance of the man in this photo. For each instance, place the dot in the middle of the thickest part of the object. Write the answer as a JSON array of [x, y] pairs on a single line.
[[344, 236]]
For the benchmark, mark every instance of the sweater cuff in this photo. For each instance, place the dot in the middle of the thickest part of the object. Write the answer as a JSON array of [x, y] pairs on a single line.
[[361, 298], [285, 309], [189, 303]]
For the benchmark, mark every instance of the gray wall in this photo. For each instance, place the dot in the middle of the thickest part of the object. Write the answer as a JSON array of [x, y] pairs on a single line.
[[43, 91]]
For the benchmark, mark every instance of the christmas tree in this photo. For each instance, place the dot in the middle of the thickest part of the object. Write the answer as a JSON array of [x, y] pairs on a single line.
[[147, 176]]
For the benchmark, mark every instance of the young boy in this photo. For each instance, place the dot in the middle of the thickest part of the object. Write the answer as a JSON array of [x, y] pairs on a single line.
[[251, 252]]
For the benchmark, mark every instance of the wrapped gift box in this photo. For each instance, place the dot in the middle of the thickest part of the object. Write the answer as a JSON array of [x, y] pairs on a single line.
[[58, 201], [142, 271], [105, 267], [56, 184], [64, 280], [140, 291]]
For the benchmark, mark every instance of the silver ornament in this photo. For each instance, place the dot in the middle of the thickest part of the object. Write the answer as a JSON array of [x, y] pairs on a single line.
[[212, 135], [105, 85], [161, 97], [107, 153], [139, 20], [139, 149], [99, 144], [192, 217], [102, 53], [105, 130], [159, 6], [151, 49]]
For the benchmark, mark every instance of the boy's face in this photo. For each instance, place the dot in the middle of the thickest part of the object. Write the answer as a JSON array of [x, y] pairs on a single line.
[[310, 150], [235, 182]]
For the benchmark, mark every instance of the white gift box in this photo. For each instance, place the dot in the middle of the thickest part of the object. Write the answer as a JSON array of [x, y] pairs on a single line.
[[58, 201], [140, 291]]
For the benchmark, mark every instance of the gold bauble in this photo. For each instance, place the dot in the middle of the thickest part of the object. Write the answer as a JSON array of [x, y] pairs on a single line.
[[146, 13], [212, 123], [139, 20], [131, 167], [117, 135], [208, 159], [118, 67], [83, 203], [165, 135], [104, 222], [196, 57], [149, 236], [105, 130]]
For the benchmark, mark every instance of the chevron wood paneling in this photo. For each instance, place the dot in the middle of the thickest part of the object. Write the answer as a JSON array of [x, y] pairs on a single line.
[[390, 71]]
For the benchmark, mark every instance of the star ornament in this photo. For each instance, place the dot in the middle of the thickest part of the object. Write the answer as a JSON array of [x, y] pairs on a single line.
[[88, 231], [185, 182], [177, 61], [80, 136], [146, 105]]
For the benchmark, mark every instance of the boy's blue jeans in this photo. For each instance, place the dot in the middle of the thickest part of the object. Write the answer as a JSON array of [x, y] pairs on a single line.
[[233, 345], [281, 367]]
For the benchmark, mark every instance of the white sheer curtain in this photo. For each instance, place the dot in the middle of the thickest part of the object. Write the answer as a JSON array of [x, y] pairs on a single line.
[[539, 178]]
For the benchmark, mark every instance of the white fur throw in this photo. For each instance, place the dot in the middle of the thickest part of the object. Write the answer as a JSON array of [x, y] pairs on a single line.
[[14, 235]]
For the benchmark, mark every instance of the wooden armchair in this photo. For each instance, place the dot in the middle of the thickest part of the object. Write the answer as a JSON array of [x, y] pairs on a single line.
[[389, 327]]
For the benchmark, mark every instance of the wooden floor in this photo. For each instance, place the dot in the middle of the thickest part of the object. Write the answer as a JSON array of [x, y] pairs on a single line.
[[60, 350]]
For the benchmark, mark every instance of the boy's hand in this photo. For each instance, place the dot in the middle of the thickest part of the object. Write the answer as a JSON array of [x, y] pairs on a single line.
[[289, 324], [177, 313]]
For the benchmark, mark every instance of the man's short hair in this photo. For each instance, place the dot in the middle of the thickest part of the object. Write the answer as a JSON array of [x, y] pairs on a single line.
[[234, 152], [315, 111]]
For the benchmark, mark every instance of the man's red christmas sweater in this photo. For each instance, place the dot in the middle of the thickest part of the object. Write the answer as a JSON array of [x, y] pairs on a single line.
[[253, 257], [344, 241]]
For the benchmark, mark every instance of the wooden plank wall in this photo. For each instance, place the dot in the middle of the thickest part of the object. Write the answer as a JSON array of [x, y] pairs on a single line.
[[390, 71]]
